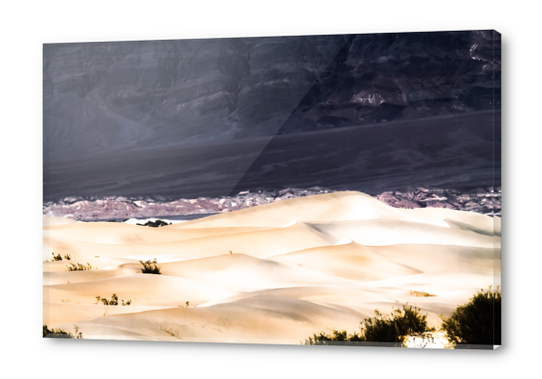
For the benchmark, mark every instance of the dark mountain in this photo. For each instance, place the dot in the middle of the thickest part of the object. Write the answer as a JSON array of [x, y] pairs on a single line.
[[101, 97], [187, 118], [109, 97]]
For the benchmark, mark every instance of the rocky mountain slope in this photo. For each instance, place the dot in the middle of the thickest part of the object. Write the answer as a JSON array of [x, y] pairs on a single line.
[[115, 96]]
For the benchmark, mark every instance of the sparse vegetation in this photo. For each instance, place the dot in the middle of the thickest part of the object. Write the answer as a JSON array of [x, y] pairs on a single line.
[[478, 322], [78, 267], [150, 267], [57, 257], [59, 333], [391, 329], [407, 321], [421, 294], [114, 300], [155, 224]]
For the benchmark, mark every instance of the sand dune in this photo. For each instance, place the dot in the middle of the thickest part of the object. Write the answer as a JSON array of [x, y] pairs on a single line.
[[261, 244], [329, 296], [350, 261], [326, 207], [391, 232], [458, 219], [245, 272], [95, 263], [70, 313], [142, 289], [276, 273], [119, 233], [438, 258], [364, 298], [257, 320], [65, 277], [83, 251]]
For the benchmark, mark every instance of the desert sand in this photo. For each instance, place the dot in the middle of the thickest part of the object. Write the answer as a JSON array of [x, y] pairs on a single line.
[[275, 273]]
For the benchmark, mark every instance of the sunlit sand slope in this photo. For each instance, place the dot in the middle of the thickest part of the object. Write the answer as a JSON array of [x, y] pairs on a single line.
[[276, 273], [390, 232], [118, 233], [261, 244], [351, 261], [326, 207]]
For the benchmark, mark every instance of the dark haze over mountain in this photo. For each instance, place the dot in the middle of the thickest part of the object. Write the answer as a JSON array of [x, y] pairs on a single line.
[[193, 118]]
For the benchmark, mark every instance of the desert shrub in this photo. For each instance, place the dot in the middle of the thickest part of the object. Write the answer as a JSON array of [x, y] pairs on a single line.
[[401, 323], [150, 267], [478, 322], [114, 300], [78, 267], [57, 257], [155, 224], [391, 329], [59, 333], [335, 338]]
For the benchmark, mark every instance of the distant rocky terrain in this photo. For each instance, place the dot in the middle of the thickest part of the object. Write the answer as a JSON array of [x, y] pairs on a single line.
[[485, 201]]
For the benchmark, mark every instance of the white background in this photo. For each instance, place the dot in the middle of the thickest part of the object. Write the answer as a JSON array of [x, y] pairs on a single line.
[[26, 26]]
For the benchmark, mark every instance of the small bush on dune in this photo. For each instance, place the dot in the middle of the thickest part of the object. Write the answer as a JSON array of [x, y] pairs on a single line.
[[78, 267], [478, 322], [114, 300], [59, 333], [390, 329], [150, 267], [335, 338], [57, 257], [405, 322], [155, 224]]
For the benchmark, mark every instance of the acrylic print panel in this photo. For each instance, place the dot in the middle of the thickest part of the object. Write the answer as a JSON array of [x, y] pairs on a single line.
[[339, 189]]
